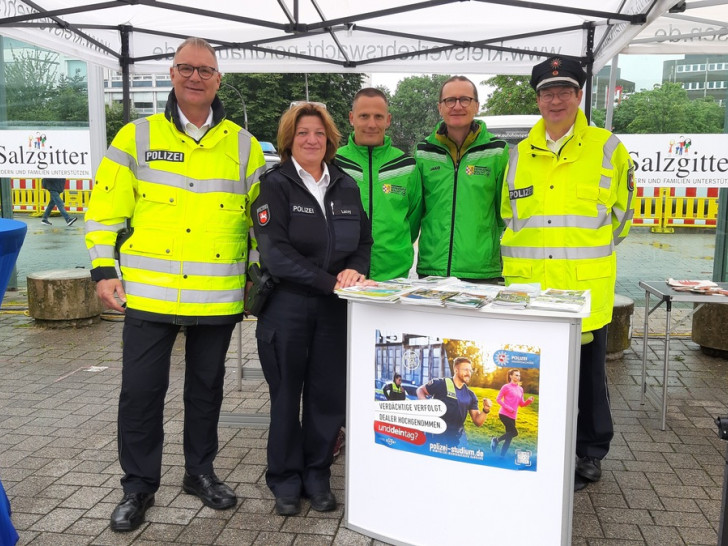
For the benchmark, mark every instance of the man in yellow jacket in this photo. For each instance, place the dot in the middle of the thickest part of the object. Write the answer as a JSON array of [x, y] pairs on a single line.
[[566, 202], [171, 202]]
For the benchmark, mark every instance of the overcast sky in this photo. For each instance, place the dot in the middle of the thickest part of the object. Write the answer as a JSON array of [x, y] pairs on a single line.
[[644, 70]]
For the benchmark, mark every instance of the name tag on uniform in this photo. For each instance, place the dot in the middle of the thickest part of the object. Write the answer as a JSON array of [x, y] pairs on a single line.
[[300, 209], [523, 192], [164, 155]]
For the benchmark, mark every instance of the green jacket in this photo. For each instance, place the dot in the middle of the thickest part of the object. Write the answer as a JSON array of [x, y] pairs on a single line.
[[392, 197], [461, 222]]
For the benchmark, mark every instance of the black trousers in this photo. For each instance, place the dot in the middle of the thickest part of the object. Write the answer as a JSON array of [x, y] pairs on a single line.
[[302, 350], [594, 427], [144, 382]]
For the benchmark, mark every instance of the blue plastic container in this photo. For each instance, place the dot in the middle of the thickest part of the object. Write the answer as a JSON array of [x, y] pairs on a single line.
[[12, 235]]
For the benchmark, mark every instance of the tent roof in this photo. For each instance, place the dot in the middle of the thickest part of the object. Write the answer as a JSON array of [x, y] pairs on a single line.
[[453, 36], [697, 26]]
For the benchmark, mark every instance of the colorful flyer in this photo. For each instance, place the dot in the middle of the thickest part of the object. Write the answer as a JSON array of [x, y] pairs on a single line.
[[457, 399]]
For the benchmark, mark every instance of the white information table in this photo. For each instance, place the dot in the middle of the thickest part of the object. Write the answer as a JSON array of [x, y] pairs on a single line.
[[404, 492]]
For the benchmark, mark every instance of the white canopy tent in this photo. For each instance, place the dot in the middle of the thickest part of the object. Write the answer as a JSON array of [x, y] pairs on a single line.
[[692, 26], [445, 36]]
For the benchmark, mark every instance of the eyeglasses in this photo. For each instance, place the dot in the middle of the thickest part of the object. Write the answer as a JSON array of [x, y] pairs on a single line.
[[464, 101], [563, 95], [186, 70]]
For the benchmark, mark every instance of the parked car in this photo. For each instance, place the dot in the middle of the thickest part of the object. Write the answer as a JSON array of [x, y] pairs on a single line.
[[378, 385], [270, 154], [410, 390]]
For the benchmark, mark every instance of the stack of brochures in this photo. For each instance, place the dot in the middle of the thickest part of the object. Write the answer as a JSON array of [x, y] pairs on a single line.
[[426, 296], [511, 299], [382, 291], [553, 299], [465, 300], [701, 286]]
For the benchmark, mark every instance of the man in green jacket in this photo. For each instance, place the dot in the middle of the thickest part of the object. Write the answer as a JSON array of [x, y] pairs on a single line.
[[462, 166], [389, 184]]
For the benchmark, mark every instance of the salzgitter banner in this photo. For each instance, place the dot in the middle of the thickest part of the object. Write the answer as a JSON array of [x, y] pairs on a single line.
[[697, 160], [45, 153]]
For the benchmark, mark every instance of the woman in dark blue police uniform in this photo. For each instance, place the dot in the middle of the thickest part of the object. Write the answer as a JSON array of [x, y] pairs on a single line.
[[313, 237]]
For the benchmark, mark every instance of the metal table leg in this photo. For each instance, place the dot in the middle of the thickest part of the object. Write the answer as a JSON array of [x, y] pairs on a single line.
[[644, 348], [668, 303]]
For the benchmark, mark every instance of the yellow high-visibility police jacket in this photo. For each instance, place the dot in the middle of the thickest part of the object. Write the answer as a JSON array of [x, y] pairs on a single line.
[[188, 206], [565, 213]]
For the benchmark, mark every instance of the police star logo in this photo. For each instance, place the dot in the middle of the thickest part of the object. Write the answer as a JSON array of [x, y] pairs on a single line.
[[387, 188], [555, 65], [263, 215]]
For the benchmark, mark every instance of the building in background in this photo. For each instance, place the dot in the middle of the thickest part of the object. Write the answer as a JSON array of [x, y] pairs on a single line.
[[148, 92], [700, 75], [600, 85]]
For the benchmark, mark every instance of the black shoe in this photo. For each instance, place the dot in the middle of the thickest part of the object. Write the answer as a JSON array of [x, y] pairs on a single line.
[[288, 506], [323, 502], [71, 221], [589, 468], [129, 513], [580, 483], [210, 490]]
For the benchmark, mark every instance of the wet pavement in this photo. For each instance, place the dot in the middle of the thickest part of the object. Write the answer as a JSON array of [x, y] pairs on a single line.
[[58, 454]]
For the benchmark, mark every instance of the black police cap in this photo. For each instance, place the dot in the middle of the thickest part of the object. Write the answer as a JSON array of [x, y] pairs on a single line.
[[557, 71]]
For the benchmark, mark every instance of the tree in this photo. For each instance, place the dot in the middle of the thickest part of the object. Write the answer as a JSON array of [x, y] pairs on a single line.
[[599, 117], [667, 109], [267, 96], [414, 109], [115, 120], [70, 99], [29, 82], [513, 95]]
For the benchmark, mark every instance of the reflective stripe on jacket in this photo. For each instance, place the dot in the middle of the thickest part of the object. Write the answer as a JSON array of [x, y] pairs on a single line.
[[188, 204], [565, 213], [391, 194]]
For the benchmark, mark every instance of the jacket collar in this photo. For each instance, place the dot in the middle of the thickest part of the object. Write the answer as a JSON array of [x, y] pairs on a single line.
[[171, 113], [440, 136], [288, 169], [365, 149], [537, 135]]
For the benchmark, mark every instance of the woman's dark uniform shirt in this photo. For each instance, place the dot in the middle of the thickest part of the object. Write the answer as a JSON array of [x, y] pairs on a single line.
[[298, 244]]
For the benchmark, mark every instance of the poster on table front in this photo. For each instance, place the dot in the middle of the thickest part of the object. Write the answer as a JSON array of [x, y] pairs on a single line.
[[430, 412]]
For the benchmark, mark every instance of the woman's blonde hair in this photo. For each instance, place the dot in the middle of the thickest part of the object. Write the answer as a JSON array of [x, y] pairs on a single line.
[[289, 121]]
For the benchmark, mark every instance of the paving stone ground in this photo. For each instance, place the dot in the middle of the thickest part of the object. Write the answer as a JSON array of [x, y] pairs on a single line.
[[58, 454]]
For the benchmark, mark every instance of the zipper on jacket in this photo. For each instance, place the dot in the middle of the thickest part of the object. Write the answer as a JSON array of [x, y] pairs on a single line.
[[371, 184], [452, 217]]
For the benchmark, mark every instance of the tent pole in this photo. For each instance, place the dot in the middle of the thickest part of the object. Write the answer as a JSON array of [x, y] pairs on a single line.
[[610, 92], [589, 73], [124, 61], [720, 255]]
